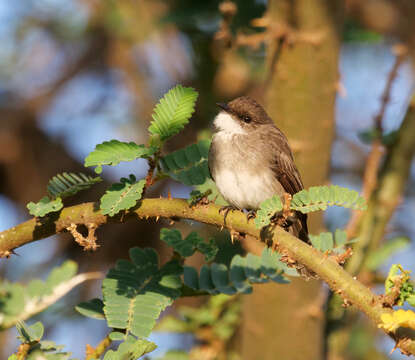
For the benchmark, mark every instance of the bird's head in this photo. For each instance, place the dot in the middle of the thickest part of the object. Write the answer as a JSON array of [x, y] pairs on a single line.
[[241, 115]]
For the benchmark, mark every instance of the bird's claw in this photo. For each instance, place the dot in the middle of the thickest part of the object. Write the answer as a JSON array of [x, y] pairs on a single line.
[[251, 215], [225, 211]]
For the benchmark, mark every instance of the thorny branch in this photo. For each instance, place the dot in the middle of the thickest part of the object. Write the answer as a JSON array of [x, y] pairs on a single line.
[[370, 175], [351, 290]]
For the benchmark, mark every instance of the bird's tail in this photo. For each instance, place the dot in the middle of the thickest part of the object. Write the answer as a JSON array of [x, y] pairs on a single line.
[[300, 228]]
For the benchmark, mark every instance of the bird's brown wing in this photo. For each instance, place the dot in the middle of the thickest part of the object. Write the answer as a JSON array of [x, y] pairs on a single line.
[[282, 163], [287, 174]]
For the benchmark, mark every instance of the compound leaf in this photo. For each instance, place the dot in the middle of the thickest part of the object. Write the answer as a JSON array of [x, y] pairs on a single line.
[[21, 302], [320, 197], [187, 247], [45, 206], [189, 165], [122, 196], [93, 308], [130, 349], [135, 292], [326, 242], [68, 184], [173, 112], [31, 335], [113, 152], [267, 210], [239, 277]]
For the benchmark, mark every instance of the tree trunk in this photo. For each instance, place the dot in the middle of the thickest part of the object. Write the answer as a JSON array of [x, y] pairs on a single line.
[[286, 321]]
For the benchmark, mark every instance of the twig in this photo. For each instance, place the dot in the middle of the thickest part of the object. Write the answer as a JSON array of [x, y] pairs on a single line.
[[376, 153], [387, 196], [37, 305], [228, 10], [334, 275], [88, 242], [271, 68], [96, 353], [22, 351]]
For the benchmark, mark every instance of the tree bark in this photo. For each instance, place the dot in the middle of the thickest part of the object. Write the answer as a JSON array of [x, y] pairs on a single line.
[[287, 320]]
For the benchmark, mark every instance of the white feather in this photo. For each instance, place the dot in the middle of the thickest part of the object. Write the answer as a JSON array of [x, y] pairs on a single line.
[[244, 189], [227, 125]]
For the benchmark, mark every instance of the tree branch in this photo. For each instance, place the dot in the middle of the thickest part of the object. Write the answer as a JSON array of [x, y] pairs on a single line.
[[388, 195], [326, 267], [373, 162]]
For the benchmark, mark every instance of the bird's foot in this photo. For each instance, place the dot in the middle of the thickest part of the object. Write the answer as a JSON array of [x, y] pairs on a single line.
[[225, 211], [235, 235], [251, 215], [286, 211], [286, 217]]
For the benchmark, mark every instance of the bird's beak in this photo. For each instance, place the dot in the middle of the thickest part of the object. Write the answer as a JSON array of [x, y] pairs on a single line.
[[224, 106]]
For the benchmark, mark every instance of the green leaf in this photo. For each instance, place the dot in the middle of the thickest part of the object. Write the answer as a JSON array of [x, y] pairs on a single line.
[[340, 237], [173, 112], [267, 210], [60, 275], [116, 336], [196, 196], [398, 277], [29, 334], [131, 349], [322, 242], [68, 184], [122, 196], [135, 292], [173, 238], [32, 335], [187, 247], [239, 277], [93, 308], [380, 256], [214, 195], [113, 152], [320, 197], [45, 206], [189, 165], [20, 302]]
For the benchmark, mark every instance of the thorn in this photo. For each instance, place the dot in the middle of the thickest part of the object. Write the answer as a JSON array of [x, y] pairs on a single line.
[[394, 348], [171, 222], [157, 218], [221, 228], [232, 238], [169, 195]]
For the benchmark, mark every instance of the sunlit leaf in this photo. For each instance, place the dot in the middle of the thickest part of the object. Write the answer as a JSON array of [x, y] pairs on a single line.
[[45, 206], [173, 112], [122, 196]]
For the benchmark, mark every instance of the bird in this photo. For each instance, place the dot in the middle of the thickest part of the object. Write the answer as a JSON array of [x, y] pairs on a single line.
[[250, 159]]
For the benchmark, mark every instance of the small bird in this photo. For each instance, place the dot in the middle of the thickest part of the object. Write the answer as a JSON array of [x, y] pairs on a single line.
[[250, 159]]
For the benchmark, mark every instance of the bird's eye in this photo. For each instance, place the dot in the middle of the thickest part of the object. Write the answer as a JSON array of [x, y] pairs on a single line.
[[246, 118]]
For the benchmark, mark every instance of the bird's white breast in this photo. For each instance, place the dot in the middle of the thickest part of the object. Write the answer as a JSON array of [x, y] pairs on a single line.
[[243, 188], [242, 179]]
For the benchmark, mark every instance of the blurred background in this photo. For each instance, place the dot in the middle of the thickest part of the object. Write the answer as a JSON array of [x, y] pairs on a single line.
[[336, 76]]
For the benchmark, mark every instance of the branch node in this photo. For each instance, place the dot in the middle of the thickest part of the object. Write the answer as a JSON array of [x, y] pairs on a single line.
[[88, 242]]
